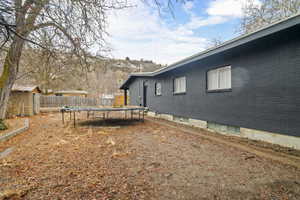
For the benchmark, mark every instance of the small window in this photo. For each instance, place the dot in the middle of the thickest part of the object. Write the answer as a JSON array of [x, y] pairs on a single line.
[[219, 79], [180, 85], [157, 89]]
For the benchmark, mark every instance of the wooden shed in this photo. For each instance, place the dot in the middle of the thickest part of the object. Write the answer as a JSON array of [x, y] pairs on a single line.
[[24, 101]]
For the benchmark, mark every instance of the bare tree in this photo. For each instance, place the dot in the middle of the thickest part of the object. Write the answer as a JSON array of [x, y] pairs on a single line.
[[214, 42], [269, 11], [77, 24], [46, 67]]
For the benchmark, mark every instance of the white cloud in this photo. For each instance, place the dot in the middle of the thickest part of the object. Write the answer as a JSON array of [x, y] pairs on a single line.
[[229, 8], [140, 33], [197, 22]]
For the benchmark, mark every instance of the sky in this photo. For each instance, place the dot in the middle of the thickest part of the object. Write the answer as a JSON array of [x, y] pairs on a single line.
[[141, 32]]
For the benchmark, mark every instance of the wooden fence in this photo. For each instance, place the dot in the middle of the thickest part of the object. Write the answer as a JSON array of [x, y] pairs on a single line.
[[60, 101]]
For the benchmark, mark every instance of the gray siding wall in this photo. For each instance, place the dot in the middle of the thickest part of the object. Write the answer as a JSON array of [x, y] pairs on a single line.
[[136, 92], [265, 87]]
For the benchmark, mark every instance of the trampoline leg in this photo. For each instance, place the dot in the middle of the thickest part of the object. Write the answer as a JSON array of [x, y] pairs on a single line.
[[139, 115], [143, 115], [74, 120], [131, 114], [63, 117]]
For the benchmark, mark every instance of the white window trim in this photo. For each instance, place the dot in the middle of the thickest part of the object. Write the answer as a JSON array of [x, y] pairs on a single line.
[[158, 94], [183, 89], [219, 86]]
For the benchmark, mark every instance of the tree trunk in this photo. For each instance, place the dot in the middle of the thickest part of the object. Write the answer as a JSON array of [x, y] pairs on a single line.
[[9, 74]]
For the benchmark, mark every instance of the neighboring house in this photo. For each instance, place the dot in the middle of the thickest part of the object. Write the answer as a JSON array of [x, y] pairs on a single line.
[[48, 92], [116, 100], [24, 101], [248, 86], [71, 93], [107, 99]]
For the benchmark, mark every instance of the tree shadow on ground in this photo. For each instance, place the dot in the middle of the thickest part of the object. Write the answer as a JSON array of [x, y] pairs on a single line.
[[110, 122]]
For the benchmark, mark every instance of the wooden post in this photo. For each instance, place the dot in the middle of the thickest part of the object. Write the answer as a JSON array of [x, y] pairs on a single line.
[[125, 97]]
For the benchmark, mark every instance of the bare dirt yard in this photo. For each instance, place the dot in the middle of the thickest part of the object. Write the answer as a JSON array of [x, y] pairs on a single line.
[[135, 160]]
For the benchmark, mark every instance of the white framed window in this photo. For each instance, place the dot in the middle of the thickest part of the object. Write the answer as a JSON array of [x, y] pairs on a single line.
[[219, 79], [157, 89], [180, 85]]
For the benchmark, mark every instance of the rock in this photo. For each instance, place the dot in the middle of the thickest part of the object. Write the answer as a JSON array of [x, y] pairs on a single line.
[[110, 141]]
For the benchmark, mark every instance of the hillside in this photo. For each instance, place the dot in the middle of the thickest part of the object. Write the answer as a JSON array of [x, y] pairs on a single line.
[[107, 77], [63, 72]]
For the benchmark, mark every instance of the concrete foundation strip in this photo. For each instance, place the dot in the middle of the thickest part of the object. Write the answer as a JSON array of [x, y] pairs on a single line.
[[276, 156], [6, 152], [15, 132]]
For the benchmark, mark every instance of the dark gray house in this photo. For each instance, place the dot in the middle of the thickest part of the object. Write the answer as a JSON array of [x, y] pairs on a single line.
[[248, 86]]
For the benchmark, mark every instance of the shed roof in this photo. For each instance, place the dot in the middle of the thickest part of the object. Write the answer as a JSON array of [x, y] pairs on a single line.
[[71, 92], [22, 88], [241, 40]]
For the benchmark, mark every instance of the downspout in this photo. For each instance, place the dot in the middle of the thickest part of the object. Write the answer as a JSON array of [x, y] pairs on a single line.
[[140, 97]]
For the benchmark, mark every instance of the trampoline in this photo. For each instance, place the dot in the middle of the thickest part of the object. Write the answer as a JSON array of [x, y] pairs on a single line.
[[133, 110]]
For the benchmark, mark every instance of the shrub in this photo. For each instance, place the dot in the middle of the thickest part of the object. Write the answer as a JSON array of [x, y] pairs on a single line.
[[2, 125]]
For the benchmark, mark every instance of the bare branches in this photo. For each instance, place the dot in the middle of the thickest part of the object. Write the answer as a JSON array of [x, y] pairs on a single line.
[[11, 21], [83, 21], [164, 5], [269, 11], [5, 26]]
